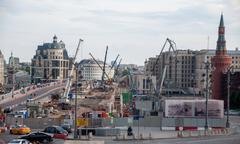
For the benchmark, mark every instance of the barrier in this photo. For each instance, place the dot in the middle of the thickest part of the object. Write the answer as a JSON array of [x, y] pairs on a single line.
[[180, 134], [141, 136], [150, 136], [124, 136], [134, 137], [90, 136]]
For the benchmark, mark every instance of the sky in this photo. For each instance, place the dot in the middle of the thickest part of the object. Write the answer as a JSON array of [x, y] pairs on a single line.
[[134, 29]]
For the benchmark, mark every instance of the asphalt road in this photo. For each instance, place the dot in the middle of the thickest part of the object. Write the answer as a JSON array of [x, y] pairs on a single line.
[[6, 137], [231, 139], [41, 93]]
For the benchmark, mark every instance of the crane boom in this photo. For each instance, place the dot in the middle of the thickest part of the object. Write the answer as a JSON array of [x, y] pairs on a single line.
[[69, 81], [113, 64], [99, 65], [172, 44], [104, 65]]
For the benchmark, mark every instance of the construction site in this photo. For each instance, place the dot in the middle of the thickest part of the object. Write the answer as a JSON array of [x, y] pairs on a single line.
[[115, 100]]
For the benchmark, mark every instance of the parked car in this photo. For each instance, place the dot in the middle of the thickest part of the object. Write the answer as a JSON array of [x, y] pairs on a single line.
[[38, 137], [67, 128], [19, 141], [57, 132], [233, 112], [19, 129]]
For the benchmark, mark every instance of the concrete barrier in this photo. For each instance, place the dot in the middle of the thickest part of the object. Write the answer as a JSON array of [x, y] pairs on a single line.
[[141, 136], [134, 137], [150, 136], [82, 142]]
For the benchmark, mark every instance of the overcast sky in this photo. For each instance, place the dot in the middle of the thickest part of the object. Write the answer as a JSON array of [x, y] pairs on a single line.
[[135, 29]]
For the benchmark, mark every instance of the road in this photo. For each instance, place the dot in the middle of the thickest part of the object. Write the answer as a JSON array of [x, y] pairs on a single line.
[[40, 93], [231, 139]]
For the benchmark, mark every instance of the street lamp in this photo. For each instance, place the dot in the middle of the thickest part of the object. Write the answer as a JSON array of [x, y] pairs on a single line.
[[78, 77], [207, 67], [229, 70], [75, 107]]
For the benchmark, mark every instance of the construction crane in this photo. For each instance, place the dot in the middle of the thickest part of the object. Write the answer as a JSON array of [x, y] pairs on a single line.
[[69, 80], [104, 65], [99, 65], [113, 63], [172, 46], [103, 68]]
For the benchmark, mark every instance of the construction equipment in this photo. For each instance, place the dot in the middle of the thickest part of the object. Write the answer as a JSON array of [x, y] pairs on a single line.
[[172, 46], [103, 68], [69, 80], [113, 63], [99, 66], [104, 64]]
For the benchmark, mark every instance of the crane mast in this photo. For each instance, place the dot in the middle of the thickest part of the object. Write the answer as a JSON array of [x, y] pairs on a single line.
[[69, 80]]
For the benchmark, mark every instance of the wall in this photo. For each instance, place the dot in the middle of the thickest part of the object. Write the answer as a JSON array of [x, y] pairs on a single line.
[[152, 121], [34, 123]]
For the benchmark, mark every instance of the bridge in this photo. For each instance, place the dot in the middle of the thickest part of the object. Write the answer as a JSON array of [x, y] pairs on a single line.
[[36, 92]]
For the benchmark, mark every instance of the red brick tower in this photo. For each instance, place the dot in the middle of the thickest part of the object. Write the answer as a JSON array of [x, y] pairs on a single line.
[[221, 61]]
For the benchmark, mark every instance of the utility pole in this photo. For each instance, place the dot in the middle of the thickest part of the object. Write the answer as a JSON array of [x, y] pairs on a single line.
[[228, 94], [13, 79], [75, 108], [207, 66]]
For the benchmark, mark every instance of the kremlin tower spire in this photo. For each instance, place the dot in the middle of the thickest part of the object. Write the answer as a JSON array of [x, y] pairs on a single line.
[[221, 61], [221, 43]]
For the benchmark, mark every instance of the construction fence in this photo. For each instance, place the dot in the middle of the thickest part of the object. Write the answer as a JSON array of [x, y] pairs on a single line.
[[151, 121]]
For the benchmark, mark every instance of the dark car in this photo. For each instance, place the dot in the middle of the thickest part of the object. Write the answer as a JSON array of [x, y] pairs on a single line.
[[38, 137], [67, 128], [57, 132]]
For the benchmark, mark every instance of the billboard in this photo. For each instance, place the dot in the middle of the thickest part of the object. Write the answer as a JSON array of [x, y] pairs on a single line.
[[193, 108]]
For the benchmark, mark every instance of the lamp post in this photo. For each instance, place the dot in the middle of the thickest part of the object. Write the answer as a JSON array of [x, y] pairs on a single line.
[[207, 66], [229, 71], [75, 107], [13, 87]]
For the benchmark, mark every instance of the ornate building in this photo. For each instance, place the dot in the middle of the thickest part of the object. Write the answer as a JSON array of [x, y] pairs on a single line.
[[221, 61], [51, 62], [13, 62]]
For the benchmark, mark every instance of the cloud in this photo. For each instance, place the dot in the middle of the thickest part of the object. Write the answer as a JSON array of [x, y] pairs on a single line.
[[124, 25]]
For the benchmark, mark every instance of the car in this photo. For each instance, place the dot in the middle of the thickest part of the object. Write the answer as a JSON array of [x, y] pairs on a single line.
[[19, 141], [233, 112], [20, 129], [39, 137], [67, 127], [57, 132]]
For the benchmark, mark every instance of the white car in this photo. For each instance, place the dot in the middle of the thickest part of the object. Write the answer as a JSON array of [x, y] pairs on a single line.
[[19, 141]]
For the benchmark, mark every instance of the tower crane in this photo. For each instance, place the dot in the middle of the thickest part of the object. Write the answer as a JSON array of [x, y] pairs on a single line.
[[69, 80]]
